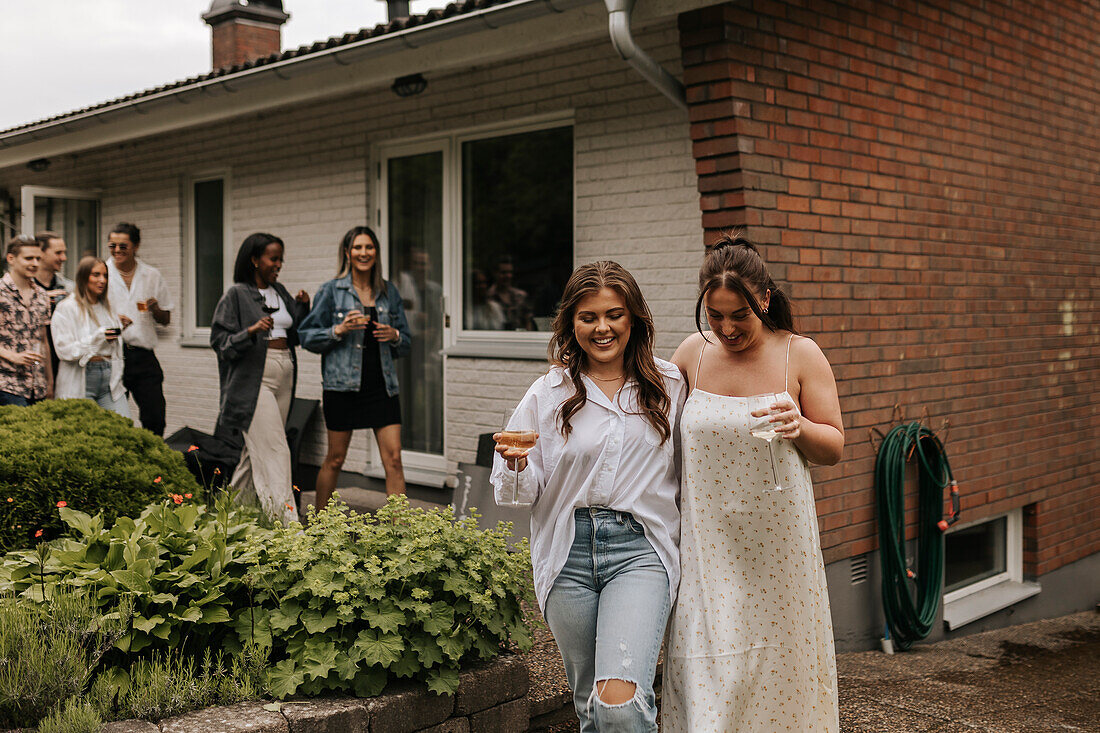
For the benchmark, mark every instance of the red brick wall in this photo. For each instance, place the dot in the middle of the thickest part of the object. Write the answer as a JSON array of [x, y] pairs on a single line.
[[237, 41], [926, 177]]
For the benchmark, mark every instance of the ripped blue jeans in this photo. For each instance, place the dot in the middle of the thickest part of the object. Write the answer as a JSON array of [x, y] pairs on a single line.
[[607, 610]]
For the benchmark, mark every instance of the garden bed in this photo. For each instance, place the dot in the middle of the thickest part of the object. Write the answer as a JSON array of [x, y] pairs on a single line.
[[490, 697]]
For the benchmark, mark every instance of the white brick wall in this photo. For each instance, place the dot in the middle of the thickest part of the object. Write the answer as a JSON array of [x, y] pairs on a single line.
[[302, 173]]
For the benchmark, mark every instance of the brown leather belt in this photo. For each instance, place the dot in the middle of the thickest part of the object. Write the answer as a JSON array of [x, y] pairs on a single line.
[[99, 358], [279, 343]]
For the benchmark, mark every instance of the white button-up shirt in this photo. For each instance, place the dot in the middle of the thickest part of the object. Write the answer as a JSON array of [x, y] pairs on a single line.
[[147, 283], [613, 458]]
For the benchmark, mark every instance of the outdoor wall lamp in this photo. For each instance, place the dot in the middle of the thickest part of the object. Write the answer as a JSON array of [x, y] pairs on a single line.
[[38, 165], [408, 86]]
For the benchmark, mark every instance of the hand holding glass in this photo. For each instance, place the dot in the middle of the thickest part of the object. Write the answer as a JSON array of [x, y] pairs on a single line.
[[270, 308], [353, 320], [763, 428], [516, 438]]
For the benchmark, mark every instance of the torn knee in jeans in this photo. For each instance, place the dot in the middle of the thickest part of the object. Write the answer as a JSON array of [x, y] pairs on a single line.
[[615, 691]]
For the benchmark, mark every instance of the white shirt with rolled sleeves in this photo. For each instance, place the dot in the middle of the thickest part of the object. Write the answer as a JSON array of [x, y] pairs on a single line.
[[613, 458], [147, 283]]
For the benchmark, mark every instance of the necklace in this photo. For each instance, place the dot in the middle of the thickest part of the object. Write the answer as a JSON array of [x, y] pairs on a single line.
[[601, 379]]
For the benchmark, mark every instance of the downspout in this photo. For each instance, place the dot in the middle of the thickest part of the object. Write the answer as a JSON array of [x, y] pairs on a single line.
[[618, 20]]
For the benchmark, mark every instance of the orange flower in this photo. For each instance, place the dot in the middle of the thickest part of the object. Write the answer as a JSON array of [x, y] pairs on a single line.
[[62, 503], [217, 472], [156, 480], [186, 496], [38, 533], [177, 498], [10, 500], [194, 447], [289, 506], [294, 487]]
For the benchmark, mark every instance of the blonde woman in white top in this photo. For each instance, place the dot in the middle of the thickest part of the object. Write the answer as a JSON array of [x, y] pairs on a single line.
[[603, 482], [86, 337]]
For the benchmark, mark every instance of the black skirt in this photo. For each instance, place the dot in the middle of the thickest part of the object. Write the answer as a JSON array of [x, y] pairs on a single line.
[[370, 407]]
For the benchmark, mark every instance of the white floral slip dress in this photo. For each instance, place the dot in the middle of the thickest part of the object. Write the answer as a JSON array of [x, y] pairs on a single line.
[[750, 642]]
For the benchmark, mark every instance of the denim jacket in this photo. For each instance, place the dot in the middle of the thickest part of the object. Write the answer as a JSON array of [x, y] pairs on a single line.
[[341, 361]]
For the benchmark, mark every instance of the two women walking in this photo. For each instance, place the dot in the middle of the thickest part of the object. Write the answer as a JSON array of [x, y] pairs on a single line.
[[614, 523], [357, 323]]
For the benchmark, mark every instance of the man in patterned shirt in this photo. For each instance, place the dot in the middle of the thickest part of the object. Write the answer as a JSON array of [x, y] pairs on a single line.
[[25, 373]]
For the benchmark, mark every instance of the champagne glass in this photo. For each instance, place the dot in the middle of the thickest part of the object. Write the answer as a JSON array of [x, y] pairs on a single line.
[[518, 432], [764, 429]]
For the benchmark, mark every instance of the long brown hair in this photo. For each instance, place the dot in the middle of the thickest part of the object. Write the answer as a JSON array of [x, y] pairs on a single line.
[[734, 263], [566, 352], [377, 284], [83, 272]]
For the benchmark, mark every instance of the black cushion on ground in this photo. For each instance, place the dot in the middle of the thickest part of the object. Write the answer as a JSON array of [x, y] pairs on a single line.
[[212, 453]]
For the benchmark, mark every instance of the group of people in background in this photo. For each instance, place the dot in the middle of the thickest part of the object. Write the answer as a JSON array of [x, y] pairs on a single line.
[[657, 506], [92, 337]]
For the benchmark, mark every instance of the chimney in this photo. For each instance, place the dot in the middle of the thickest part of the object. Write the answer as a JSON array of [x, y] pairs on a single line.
[[244, 30], [396, 9]]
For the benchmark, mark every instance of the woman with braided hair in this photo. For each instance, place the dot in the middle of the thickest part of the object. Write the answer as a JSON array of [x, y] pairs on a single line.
[[750, 644]]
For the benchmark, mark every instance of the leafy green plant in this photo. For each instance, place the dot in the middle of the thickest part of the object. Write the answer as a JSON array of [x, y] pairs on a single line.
[[353, 600], [180, 566], [75, 453], [48, 653]]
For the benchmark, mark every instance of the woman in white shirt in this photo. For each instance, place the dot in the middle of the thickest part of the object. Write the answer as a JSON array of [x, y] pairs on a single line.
[[85, 334], [603, 482]]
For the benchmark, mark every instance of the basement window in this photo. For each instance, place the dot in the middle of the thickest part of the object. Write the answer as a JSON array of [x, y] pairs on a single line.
[[983, 568]]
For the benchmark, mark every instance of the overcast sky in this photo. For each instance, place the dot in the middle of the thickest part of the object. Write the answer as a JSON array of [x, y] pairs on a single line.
[[60, 55]]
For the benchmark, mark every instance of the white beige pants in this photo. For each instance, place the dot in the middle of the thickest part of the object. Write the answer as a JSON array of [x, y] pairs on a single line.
[[263, 475]]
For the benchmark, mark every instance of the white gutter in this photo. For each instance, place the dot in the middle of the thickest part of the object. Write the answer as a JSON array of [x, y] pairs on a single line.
[[618, 20], [415, 37]]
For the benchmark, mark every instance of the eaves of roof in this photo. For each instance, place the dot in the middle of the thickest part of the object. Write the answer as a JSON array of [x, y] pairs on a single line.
[[408, 29]]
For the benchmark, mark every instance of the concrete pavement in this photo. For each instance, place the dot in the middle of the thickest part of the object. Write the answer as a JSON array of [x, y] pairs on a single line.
[[1042, 676]]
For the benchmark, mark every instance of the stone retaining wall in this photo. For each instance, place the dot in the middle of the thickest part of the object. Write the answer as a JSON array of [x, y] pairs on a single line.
[[490, 699]]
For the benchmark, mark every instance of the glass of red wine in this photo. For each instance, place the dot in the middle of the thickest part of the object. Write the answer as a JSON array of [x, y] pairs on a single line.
[[270, 310]]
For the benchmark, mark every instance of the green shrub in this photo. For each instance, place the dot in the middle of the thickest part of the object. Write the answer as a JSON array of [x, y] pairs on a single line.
[[48, 653], [75, 716], [353, 600], [77, 452], [180, 566], [169, 685]]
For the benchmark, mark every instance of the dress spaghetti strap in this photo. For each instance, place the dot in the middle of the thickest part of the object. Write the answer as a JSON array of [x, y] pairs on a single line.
[[786, 369], [695, 384]]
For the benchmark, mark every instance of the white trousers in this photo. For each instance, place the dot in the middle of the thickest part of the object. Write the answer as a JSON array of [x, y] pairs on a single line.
[[263, 475]]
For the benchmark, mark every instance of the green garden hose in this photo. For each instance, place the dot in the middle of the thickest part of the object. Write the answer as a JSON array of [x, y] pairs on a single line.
[[910, 619]]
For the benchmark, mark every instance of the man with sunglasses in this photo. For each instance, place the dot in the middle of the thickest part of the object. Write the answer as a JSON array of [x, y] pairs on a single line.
[[138, 291]]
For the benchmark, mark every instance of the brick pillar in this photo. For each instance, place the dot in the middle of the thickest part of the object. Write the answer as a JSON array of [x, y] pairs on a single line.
[[242, 33], [709, 43]]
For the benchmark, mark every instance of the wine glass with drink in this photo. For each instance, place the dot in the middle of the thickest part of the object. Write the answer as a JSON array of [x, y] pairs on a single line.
[[764, 429], [270, 309], [518, 432]]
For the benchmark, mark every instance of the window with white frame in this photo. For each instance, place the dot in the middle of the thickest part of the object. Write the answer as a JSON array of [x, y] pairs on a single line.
[[983, 568], [208, 255], [517, 228], [982, 554], [484, 216]]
